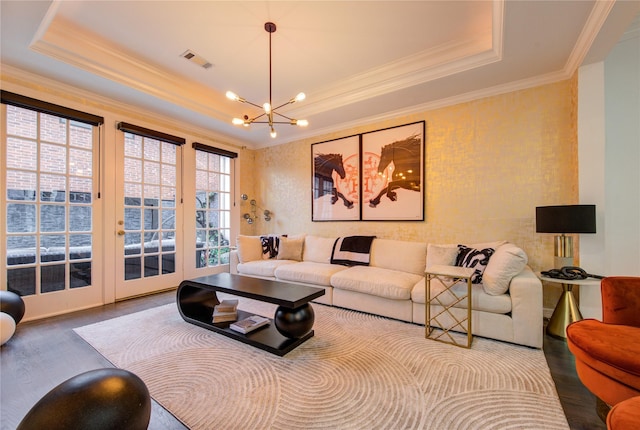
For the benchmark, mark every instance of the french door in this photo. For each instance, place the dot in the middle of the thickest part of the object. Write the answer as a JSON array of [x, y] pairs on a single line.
[[49, 208], [149, 239]]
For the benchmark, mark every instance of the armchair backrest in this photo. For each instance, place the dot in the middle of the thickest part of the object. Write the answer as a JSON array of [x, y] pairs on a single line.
[[621, 300]]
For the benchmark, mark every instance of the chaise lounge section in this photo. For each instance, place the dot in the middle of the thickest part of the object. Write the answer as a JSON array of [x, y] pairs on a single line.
[[506, 296]]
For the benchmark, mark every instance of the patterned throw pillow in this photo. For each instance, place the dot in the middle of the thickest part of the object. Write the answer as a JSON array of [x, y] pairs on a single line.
[[474, 258], [270, 245]]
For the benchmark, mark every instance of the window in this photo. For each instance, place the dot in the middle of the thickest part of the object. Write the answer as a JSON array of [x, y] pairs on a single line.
[[49, 202], [213, 206]]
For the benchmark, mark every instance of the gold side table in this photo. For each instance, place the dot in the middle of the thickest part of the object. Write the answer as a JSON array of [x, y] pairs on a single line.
[[448, 276], [566, 310]]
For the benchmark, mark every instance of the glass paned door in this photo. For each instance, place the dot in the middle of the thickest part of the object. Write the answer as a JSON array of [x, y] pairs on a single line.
[[49, 211], [213, 209], [147, 226]]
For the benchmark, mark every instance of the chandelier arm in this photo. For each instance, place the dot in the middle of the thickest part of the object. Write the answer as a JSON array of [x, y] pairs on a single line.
[[283, 104], [283, 116], [255, 118], [250, 103]]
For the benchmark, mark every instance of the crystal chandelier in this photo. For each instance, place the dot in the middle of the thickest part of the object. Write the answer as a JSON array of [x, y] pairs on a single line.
[[267, 116]]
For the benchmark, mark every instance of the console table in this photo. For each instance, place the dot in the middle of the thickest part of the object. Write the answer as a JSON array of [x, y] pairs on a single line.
[[292, 323]]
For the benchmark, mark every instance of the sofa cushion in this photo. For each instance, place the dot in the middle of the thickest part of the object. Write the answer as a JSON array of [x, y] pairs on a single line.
[[249, 248], [480, 300], [264, 268], [441, 255], [399, 255], [504, 264], [391, 284], [318, 249], [308, 272], [290, 248], [474, 258]]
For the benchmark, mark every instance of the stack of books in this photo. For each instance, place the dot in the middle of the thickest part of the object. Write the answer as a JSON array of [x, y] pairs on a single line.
[[249, 324], [226, 311]]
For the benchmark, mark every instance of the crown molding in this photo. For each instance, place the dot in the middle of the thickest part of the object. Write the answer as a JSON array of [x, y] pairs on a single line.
[[38, 86], [592, 27]]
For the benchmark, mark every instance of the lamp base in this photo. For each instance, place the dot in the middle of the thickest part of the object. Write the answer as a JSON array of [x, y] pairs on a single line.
[[565, 313], [563, 247]]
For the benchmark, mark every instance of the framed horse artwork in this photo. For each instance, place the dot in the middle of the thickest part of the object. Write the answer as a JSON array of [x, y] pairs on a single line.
[[393, 173], [336, 180]]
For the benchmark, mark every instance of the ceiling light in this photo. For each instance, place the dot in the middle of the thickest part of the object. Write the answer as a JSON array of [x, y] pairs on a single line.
[[268, 111]]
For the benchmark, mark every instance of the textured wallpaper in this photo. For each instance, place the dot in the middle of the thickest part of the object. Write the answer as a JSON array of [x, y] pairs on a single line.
[[489, 163]]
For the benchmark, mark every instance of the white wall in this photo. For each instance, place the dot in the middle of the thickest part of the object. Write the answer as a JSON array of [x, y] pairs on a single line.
[[609, 165]]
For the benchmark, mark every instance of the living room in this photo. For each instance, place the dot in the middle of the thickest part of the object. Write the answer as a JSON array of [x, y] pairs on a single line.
[[490, 159]]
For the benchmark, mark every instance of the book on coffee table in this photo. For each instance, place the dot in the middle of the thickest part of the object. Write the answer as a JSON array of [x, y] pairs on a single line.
[[226, 311], [249, 324]]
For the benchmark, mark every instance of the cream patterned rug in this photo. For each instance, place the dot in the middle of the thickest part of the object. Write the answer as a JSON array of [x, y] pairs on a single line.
[[358, 372]]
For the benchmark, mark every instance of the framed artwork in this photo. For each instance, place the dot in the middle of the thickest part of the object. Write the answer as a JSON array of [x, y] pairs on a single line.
[[336, 180], [393, 173]]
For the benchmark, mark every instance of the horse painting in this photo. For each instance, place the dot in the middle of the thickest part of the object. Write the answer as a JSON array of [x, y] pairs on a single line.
[[324, 166], [405, 156]]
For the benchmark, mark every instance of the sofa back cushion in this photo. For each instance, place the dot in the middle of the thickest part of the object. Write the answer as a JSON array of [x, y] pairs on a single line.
[[318, 249], [249, 248], [399, 255]]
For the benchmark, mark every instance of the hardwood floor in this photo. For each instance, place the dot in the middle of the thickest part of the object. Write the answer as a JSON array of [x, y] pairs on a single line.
[[44, 353]]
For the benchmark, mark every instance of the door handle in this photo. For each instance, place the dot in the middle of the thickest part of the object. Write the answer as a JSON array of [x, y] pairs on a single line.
[[120, 232]]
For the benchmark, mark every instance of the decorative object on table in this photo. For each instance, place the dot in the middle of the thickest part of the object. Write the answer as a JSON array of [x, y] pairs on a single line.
[[563, 220], [267, 116], [569, 273], [607, 352], [336, 180], [249, 324], [226, 311], [12, 304], [393, 164], [101, 399]]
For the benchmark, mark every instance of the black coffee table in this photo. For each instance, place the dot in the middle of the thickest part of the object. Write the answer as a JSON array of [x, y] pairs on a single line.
[[292, 323]]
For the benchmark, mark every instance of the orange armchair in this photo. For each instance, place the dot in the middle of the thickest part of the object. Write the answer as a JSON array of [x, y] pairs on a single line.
[[607, 352]]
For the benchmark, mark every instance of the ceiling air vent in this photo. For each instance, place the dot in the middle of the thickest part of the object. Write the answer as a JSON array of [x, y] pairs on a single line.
[[195, 58]]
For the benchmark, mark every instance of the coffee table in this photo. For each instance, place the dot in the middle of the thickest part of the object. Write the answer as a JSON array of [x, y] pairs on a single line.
[[292, 323]]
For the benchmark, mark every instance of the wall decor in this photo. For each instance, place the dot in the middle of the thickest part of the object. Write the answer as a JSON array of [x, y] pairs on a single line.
[[393, 173], [336, 179], [373, 176]]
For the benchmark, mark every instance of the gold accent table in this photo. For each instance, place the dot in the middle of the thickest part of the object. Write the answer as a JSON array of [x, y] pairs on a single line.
[[448, 276], [566, 310]]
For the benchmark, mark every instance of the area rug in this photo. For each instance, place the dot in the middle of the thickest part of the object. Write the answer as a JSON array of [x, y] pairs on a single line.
[[359, 371]]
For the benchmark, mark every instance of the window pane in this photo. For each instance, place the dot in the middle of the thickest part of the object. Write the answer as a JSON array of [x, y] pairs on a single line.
[[132, 268], [53, 158], [22, 154], [53, 128], [52, 218], [22, 281], [80, 218], [22, 122], [80, 162], [52, 278], [80, 274], [21, 250], [21, 218], [21, 185]]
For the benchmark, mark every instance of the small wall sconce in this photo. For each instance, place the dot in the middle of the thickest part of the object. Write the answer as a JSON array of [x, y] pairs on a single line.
[[252, 216]]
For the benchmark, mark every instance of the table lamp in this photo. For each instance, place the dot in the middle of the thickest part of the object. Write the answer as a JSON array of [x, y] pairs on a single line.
[[563, 220]]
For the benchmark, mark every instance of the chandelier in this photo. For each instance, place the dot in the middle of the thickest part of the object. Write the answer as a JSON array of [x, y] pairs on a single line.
[[267, 116]]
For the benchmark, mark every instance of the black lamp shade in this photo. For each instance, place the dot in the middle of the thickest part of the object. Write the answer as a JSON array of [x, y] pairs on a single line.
[[566, 219]]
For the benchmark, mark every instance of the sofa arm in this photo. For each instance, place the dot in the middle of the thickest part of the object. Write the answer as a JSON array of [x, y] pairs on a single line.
[[525, 290], [233, 262]]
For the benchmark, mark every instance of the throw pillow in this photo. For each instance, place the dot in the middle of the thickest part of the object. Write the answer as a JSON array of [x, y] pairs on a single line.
[[441, 255], [291, 248], [318, 249], [249, 248], [504, 264], [270, 246], [474, 258]]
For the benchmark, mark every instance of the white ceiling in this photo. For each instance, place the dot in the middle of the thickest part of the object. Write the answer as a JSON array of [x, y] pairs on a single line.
[[357, 61]]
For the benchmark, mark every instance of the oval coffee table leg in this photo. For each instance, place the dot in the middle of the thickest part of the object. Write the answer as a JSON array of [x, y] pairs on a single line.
[[294, 323]]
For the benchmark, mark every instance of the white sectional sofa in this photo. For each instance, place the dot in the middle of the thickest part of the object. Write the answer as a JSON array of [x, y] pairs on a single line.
[[506, 305]]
